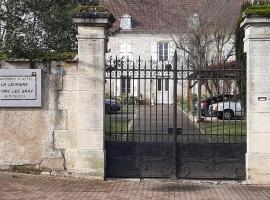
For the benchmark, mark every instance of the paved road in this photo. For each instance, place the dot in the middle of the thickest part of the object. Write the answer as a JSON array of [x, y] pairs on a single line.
[[160, 118], [156, 122], [33, 187]]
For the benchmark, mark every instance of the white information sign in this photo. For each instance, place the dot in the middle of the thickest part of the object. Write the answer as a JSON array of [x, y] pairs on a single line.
[[20, 88]]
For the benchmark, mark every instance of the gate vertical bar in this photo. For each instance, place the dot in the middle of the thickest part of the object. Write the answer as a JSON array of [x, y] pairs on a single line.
[[127, 93], [116, 93], [175, 175], [110, 93]]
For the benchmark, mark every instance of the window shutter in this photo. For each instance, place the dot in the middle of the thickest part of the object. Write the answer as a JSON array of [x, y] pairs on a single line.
[[122, 49], [129, 51], [135, 93], [154, 51], [118, 87]]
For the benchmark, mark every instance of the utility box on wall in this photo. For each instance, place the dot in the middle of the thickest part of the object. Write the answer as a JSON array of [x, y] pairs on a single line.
[[20, 88]]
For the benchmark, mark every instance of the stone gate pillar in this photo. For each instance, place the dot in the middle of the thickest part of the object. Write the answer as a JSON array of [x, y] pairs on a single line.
[[82, 99], [257, 48]]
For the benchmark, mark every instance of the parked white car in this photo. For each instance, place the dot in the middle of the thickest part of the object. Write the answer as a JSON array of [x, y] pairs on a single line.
[[227, 109]]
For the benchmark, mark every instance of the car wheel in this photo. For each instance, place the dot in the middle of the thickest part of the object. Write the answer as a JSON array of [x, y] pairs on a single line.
[[108, 109], [227, 114], [220, 115], [203, 113]]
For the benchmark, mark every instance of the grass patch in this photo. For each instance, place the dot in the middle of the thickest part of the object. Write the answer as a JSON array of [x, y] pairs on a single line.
[[114, 126], [128, 109], [233, 127], [186, 107]]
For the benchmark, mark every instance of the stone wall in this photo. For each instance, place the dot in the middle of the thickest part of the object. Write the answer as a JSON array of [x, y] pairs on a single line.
[[27, 134], [67, 132], [257, 43]]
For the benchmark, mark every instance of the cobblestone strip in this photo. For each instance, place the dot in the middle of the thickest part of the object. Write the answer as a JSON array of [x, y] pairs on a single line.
[[32, 187]]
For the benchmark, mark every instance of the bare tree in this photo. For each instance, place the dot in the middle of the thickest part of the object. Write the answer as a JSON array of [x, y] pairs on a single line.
[[209, 38]]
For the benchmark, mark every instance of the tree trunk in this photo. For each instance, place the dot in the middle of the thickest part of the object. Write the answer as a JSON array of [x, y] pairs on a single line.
[[189, 96], [199, 98]]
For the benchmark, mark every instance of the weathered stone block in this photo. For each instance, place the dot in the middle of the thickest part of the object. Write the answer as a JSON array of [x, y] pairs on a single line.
[[257, 105], [93, 65], [259, 123], [65, 139], [91, 101], [71, 68], [26, 135], [71, 159], [259, 47], [89, 32], [85, 163], [90, 68], [90, 120], [85, 120], [53, 164], [259, 143], [258, 166], [259, 84], [259, 65], [91, 161], [67, 99], [258, 31], [69, 82], [72, 121], [61, 120], [91, 83], [90, 139]]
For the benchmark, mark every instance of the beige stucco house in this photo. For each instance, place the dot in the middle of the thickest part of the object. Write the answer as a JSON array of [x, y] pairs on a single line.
[[144, 30]]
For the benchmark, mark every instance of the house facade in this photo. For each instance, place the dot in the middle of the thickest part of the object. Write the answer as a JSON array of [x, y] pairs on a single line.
[[152, 50], [144, 30]]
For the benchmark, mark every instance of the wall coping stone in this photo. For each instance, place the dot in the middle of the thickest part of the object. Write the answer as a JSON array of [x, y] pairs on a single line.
[[255, 20], [94, 19]]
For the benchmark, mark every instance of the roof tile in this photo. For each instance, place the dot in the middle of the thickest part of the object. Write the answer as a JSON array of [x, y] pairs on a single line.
[[171, 15]]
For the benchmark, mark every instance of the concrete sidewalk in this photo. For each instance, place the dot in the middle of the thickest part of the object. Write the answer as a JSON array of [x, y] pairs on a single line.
[[30, 187]]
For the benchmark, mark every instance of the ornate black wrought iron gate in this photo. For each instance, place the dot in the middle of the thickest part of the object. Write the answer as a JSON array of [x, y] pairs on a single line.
[[165, 120]]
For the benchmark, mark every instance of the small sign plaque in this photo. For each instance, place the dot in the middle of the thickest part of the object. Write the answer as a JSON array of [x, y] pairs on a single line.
[[262, 98], [20, 88]]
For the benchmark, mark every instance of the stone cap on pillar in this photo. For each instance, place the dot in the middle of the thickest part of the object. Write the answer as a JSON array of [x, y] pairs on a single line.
[[255, 20], [104, 19]]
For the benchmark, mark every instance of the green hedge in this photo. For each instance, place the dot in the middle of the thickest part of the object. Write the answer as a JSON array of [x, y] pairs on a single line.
[[260, 10], [42, 56], [82, 9]]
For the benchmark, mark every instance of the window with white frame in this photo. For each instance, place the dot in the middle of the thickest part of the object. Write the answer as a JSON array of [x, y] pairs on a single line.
[[126, 22], [161, 86], [125, 85], [125, 50], [163, 51]]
